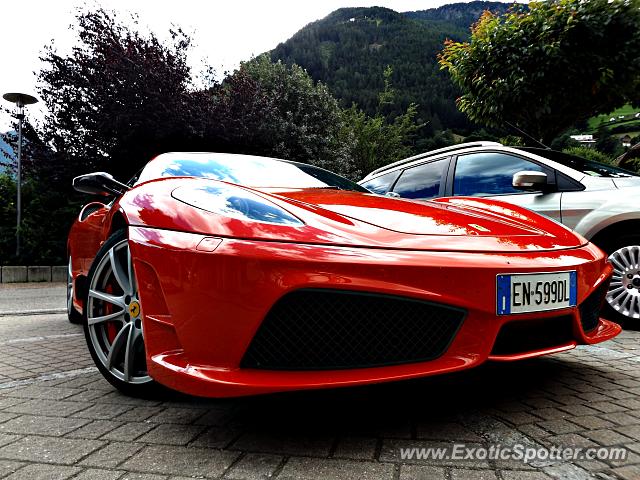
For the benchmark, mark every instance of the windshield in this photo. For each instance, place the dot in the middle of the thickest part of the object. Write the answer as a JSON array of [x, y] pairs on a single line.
[[588, 167], [245, 170]]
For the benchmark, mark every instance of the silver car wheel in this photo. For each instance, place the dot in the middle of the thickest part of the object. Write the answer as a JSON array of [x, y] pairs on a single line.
[[624, 291], [114, 317]]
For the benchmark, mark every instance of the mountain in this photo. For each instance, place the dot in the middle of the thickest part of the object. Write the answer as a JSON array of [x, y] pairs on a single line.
[[349, 49], [5, 151], [461, 15]]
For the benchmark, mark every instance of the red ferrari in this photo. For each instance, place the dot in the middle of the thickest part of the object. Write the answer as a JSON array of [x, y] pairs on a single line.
[[225, 275]]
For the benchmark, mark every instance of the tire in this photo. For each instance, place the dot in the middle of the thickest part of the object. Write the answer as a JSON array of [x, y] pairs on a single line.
[[622, 304], [72, 314], [112, 320]]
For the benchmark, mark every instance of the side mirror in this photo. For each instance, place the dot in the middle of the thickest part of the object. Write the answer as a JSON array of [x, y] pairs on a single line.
[[99, 183], [530, 180]]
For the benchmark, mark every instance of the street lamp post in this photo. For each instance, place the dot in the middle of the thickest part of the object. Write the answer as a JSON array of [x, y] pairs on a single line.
[[20, 99]]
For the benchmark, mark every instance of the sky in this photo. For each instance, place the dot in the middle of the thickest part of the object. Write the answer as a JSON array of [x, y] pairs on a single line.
[[225, 32]]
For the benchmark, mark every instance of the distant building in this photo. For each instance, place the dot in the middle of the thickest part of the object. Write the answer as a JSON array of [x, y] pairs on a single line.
[[586, 140]]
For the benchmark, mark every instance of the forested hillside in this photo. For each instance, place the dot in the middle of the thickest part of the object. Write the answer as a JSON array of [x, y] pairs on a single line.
[[350, 48], [460, 15]]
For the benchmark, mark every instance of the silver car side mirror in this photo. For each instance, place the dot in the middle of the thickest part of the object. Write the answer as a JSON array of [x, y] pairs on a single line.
[[530, 180]]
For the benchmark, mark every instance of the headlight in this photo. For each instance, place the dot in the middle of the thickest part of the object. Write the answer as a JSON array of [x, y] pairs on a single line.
[[234, 202]]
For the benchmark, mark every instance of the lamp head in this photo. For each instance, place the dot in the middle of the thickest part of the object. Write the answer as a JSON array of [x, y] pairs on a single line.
[[20, 99]]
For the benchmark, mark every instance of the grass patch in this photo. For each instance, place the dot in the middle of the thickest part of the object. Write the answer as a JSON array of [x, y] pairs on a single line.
[[594, 122]]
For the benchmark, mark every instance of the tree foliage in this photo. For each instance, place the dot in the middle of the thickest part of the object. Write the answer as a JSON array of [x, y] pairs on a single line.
[[375, 141], [120, 97], [589, 154], [275, 110], [549, 66]]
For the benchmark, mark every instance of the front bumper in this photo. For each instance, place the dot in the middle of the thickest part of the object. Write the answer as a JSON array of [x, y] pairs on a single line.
[[203, 304]]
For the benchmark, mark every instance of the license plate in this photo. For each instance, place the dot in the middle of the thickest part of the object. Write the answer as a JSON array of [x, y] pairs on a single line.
[[535, 292]]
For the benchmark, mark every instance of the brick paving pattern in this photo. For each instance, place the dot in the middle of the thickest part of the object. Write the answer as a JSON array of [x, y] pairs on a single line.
[[60, 420]]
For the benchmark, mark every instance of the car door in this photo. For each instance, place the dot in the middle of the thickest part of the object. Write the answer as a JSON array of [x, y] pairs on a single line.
[[490, 174]]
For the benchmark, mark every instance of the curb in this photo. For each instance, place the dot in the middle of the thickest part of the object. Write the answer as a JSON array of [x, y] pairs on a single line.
[[35, 273], [23, 313]]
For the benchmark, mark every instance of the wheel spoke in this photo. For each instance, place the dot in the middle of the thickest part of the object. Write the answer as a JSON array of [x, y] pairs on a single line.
[[132, 276], [69, 300], [122, 277], [105, 318], [617, 264], [118, 343], [619, 296], [615, 290], [129, 354], [107, 297]]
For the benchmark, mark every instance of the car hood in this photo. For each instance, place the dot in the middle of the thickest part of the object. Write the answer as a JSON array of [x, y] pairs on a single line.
[[445, 222], [353, 219]]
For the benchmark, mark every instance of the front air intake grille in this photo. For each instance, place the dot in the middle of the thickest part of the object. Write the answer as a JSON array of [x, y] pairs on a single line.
[[523, 336], [315, 329], [590, 308]]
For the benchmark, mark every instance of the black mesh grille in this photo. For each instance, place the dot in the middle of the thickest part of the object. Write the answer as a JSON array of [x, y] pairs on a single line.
[[590, 308], [526, 335], [327, 329]]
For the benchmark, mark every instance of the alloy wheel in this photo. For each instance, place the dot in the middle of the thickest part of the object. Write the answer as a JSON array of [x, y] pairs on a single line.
[[624, 292], [114, 317]]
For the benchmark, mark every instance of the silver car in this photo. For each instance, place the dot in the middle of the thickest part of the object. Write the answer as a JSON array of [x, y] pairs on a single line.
[[599, 201]]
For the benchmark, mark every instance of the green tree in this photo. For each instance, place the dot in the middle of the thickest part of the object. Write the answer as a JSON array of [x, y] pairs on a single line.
[[268, 108], [564, 141], [377, 141], [589, 154], [550, 66], [7, 216], [608, 144], [46, 217]]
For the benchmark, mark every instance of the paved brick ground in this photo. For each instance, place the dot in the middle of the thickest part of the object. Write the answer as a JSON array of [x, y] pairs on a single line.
[[59, 419]]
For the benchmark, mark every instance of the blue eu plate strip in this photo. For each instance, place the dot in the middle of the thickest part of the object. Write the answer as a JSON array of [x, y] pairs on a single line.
[[573, 288], [504, 294]]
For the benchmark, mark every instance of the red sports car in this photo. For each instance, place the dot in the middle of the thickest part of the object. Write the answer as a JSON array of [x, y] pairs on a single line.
[[225, 275]]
